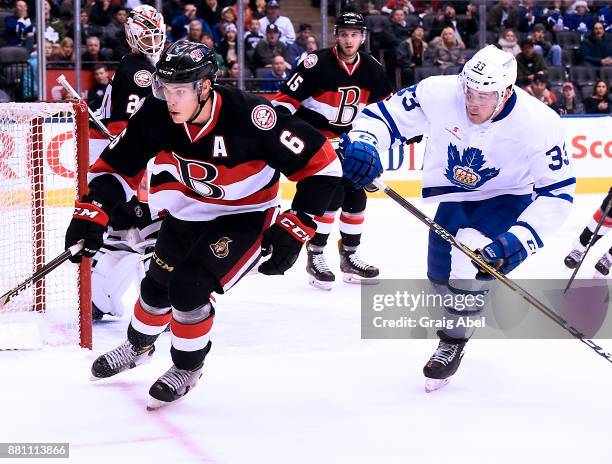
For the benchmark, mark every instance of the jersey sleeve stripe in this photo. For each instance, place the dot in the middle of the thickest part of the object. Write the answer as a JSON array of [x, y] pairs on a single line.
[[562, 196], [385, 112], [533, 232], [324, 162], [285, 100], [371, 114], [556, 185]]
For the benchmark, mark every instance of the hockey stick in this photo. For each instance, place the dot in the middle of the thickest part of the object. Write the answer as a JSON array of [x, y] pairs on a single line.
[[591, 243], [512, 285], [42, 272], [61, 80]]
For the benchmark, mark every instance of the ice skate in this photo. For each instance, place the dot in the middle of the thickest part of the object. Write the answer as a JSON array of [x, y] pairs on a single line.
[[122, 358], [602, 267], [443, 363], [574, 256], [319, 274], [354, 269], [172, 386]]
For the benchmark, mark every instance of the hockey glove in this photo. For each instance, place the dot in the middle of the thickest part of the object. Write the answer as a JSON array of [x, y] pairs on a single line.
[[504, 253], [89, 224], [360, 160], [284, 239]]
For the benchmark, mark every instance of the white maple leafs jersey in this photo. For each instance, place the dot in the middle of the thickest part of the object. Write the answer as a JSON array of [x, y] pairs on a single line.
[[521, 151]]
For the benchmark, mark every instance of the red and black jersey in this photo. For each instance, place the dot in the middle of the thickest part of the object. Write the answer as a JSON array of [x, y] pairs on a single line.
[[328, 94], [229, 165], [131, 83]]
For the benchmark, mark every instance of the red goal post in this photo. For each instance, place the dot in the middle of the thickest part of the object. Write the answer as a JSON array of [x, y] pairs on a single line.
[[44, 156]]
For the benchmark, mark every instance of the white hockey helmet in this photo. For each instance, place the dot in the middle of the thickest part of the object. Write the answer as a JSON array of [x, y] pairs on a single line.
[[145, 31], [489, 70]]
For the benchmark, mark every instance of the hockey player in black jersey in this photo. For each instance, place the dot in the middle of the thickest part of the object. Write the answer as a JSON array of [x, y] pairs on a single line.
[[602, 267], [218, 154], [119, 266], [328, 89]]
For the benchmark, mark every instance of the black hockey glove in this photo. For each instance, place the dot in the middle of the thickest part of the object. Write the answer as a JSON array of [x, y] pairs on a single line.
[[284, 239], [89, 224]]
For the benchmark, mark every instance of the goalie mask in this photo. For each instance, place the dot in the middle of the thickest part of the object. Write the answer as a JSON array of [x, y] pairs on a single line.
[[145, 31]]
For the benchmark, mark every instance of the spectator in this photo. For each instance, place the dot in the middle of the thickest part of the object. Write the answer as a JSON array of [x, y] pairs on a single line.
[[277, 75], [232, 73], [247, 13], [398, 26], [19, 28], [410, 54], [88, 28], [282, 22], [312, 45], [208, 41], [252, 37], [171, 9], [504, 15], [269, 47], [568, 103], [101, 13], [509, 43], [258, 7], [464, 28], [227, 47], [65, 52], [93, 53], [95, 94], [227, 16], [529, 63], [423, 7], [180, 24], [538, 89], [296, 49], [579, 21], [596, 48], [55, 29], [210, 12], [554, 15], [600, 102], [367, 7], [552, 53], [403, 5], [604, 16], [113, 31], [530, 15], [195, 31], [449, 51]]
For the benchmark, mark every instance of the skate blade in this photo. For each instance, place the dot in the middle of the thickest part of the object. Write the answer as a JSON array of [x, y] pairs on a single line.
[[155, 404], [435, 384], [355, 279], [321, 285]]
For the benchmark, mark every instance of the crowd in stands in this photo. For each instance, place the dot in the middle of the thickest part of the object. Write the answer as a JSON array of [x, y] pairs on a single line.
[[563, 47]]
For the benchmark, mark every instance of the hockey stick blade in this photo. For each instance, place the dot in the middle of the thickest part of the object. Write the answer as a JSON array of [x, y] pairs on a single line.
[[61, 80], [591, 243], [40, 273], [511, 284]]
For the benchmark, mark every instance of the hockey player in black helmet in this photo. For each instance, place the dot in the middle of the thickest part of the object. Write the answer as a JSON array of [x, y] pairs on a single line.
[[328, 90], [218, 154]]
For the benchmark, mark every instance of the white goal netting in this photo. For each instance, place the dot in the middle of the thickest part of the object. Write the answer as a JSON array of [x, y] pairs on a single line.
[[40, 145]]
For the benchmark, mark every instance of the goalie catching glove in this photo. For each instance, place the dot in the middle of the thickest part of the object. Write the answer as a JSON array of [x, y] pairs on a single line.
[[88, 223], [284, 239]]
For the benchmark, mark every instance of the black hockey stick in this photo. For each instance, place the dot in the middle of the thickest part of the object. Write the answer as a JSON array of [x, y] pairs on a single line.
[[39, 274], [448, 237], [591, 243], [61, 80]]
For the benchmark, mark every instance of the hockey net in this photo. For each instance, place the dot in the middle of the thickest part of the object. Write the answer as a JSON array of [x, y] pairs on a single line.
[[43, 166]]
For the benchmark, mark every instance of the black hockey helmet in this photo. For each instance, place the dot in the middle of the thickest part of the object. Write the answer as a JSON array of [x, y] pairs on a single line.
[[350, 20], [186, 61]]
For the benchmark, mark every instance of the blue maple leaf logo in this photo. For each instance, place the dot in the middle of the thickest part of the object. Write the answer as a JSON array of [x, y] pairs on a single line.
[[466, 170]]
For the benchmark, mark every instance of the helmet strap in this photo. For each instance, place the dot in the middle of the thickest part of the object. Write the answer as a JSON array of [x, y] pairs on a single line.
[[201, 105]]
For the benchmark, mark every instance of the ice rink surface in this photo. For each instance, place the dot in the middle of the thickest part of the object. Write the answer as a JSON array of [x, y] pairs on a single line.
[[289, 380]]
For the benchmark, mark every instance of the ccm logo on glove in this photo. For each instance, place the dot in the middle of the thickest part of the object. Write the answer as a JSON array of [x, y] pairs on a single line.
[[90, 212], [294, 226]]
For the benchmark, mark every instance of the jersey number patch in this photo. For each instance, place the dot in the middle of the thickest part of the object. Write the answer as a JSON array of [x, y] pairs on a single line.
[[132, 104], [558, 157]]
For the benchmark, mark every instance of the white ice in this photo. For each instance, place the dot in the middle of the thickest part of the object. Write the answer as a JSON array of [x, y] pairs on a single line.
[[289, 380]]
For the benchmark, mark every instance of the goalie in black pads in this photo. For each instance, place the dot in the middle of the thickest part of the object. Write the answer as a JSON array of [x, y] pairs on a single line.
[[218, 155]]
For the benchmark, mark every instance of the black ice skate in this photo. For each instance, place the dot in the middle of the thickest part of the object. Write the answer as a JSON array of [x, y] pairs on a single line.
[[574, 257], [319, 274], [354, 269], [122, 358], [603, 265], [443, 363], [173, 385]]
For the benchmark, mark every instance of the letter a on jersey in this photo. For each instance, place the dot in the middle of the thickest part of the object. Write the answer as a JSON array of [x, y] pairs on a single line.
[[219, 150]]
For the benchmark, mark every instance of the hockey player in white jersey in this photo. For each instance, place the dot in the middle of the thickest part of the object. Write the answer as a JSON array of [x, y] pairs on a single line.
[[495, 160]]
